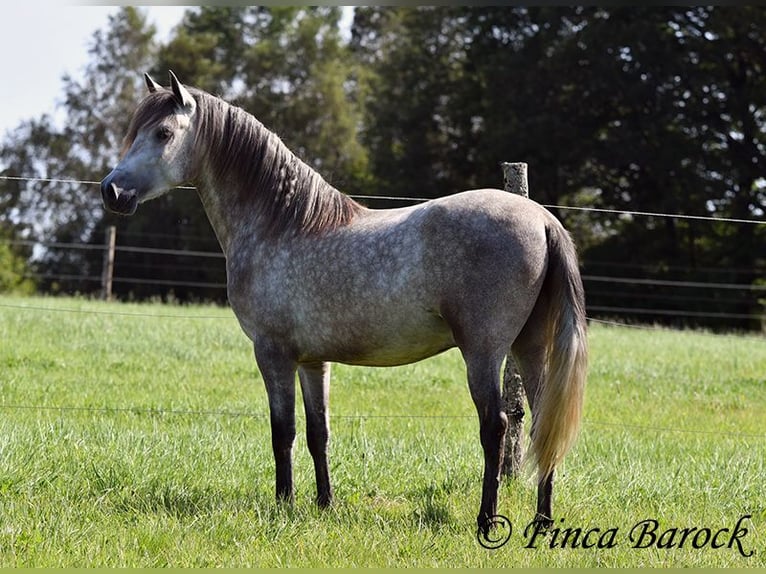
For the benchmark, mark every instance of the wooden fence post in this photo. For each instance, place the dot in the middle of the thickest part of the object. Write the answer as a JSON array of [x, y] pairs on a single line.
[[108, 266], [515, 181]]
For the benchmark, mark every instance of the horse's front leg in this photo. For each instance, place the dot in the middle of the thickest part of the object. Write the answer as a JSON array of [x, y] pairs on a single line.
[[278, 371], [315, 386]]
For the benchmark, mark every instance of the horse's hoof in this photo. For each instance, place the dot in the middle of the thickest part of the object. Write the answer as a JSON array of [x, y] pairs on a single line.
[[543, 522]]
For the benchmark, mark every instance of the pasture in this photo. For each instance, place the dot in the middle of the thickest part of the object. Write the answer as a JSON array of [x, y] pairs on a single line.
[[138, 435]]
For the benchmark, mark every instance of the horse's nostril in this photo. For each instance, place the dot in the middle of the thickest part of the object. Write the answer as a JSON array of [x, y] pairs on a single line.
[[106, 186], [118, 200], [109, 191]]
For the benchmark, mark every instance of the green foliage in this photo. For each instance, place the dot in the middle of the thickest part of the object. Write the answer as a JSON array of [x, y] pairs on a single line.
[[13, 272], [287, 66], [144, 441], [300, 83]]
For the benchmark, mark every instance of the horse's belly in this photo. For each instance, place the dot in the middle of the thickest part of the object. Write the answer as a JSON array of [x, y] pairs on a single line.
[[392, 356], [381, 344]]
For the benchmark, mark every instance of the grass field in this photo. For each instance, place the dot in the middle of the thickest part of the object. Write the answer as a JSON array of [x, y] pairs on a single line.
[[137, 435]]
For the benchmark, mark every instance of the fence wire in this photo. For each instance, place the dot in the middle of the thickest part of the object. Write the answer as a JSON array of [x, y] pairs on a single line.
[[158, 411], [425, 199], [587, 277], [144, 411], [219, 413]]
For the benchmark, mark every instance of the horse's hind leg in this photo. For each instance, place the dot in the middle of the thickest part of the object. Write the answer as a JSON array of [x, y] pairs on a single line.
[[529, 351], [315, 386], [484, 383]]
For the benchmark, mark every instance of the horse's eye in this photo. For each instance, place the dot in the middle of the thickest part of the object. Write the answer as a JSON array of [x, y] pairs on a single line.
[[164, 133]]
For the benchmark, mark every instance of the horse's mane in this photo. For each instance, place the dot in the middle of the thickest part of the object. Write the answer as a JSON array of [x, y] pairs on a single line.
[[254, 165]]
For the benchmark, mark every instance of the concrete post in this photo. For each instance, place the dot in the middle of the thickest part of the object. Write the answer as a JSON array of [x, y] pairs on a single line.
[[515, 181]]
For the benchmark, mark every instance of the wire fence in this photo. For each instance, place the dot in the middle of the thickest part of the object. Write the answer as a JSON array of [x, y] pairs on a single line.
[[425, 199], [219, 255], [218, 413], [216, 256], [670, 298], [262, 415]]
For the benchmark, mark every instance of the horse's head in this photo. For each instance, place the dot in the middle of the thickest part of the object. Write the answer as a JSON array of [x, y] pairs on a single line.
[[157, 155]]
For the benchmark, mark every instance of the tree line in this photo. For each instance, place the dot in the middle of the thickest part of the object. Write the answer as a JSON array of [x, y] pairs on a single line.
[[658, 109]]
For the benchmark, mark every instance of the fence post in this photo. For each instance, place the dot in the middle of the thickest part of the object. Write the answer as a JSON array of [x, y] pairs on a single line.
[[515, 181], [108, 266]]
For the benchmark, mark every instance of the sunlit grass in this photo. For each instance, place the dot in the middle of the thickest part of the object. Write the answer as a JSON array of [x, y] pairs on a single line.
[[144, 441]]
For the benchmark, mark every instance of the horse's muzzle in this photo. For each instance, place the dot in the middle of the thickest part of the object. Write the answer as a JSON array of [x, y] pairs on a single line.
[[116, 200]]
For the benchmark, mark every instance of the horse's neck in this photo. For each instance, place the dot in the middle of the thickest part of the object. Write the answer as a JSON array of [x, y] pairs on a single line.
[[219, 209], [266, 192]]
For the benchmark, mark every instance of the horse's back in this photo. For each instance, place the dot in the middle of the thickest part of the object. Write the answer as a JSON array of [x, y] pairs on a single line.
[[510, 213]]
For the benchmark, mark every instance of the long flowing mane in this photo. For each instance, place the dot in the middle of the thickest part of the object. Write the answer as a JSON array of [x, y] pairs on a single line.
[[256, 167]]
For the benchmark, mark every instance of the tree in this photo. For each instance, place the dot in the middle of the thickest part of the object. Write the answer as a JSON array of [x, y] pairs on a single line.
[[289, 68], [688, 143], [299, 79], [413, 58], [97, 112], [287, 65], [640, 108]]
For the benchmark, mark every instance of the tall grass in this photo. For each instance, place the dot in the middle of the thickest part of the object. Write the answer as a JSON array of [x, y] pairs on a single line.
[[137, 435]]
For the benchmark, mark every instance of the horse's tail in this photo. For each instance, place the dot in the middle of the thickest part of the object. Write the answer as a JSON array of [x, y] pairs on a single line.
[[559, 401]]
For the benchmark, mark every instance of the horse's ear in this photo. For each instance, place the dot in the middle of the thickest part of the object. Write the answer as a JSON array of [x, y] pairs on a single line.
[[182, 95], [151, 85]]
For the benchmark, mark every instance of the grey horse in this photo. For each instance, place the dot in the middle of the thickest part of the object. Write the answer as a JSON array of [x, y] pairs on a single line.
[[314, 277]]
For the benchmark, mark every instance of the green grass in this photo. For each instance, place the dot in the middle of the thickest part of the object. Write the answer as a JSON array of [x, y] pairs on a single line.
[[144, 441]]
